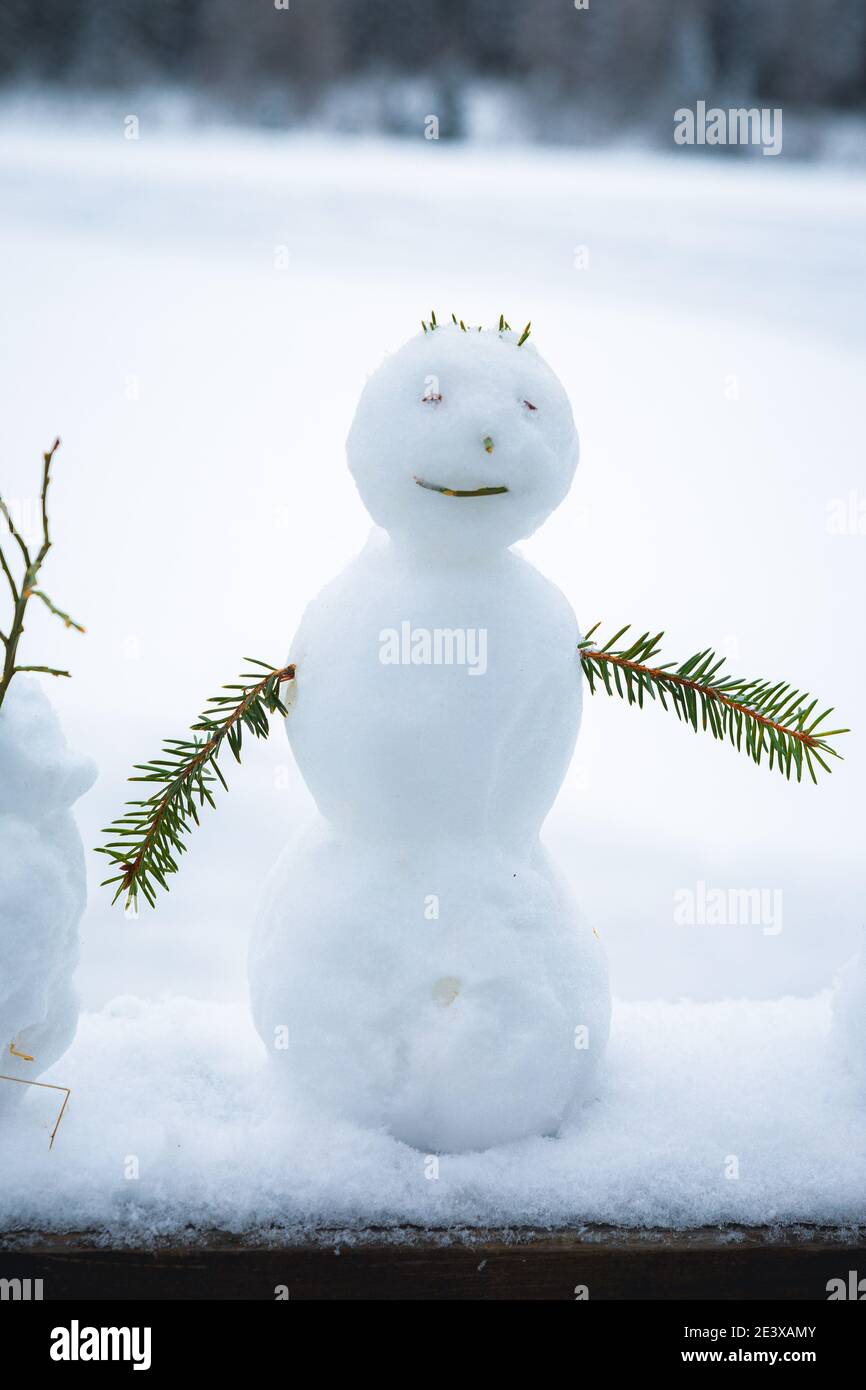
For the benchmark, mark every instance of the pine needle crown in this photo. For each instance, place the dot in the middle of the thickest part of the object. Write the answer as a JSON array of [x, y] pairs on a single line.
[[430, 325]]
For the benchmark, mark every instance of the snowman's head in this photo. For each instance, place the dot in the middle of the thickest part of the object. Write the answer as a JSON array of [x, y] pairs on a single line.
[[463, 441]]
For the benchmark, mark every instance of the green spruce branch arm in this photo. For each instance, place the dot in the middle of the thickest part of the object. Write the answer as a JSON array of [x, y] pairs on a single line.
[[23, 590], [145, 840], [758, 716]]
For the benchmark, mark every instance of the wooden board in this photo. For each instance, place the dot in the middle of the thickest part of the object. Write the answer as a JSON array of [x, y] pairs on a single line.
[[725, 1263]]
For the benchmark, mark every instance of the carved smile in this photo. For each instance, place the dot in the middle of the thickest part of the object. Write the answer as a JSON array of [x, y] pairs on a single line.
[[461, 492]]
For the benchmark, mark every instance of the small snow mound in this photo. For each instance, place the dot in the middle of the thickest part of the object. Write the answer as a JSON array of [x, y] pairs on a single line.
[[849, 1018], [124, 1006]]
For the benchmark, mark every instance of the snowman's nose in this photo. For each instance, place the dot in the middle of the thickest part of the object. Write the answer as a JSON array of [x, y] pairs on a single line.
[[488, 443]]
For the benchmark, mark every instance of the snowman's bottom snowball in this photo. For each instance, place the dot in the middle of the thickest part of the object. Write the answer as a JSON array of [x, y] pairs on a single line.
[[451, 994]]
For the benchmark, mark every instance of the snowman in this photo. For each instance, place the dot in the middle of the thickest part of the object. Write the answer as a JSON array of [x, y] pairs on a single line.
[[418, 963], [42, 887]]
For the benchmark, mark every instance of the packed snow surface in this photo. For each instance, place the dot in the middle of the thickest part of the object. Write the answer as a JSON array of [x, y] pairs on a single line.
[[171, 1121]]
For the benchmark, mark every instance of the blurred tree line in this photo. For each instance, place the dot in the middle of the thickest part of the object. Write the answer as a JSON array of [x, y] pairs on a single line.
[[625, 58]]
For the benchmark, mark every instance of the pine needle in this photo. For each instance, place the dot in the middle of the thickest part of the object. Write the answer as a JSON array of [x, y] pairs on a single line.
[[431, 324]]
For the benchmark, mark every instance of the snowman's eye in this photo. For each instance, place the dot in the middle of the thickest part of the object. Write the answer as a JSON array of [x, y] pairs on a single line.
[[530, 406], [431, 396]]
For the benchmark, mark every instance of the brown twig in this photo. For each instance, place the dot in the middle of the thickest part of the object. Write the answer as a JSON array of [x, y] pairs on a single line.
[[22, 594], [46, 1085]]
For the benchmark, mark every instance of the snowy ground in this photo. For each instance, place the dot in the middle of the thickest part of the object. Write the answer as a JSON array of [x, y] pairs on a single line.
[[709, 1113], [714, 351]]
